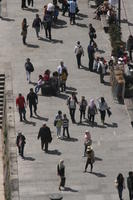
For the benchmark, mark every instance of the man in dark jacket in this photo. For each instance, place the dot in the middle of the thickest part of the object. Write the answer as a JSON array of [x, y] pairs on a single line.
[[47, 21], [91, 54], [45, 135], [130, 185], [37, 23], [20, 142], [32, 100], [29, 68]]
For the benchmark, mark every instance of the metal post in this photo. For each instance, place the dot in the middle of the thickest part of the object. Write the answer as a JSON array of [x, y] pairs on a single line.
[[119, 12]]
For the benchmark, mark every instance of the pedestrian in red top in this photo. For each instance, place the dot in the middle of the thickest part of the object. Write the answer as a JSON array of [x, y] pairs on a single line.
[[20, 104]]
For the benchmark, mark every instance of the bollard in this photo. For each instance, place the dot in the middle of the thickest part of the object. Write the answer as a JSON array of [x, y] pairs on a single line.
[[55, 196]]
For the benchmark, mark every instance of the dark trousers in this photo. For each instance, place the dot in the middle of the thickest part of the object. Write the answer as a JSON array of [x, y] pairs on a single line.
[[91, 118], [120, 190], [21, 150], [78, 56], [101, 78], [72, 18], [130, 194], [87, 163], [24, 39], [130, 54], [82, 114], [91, 60], [48, 32], [35, 108], [42, 145], [63, 86], [72, 114], [30, 2], [103, 114], [22, 113], [23, 4], [67, 131], [64, 8]]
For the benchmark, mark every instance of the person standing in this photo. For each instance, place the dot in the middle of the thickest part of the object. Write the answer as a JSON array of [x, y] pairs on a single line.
[[92, 33], [32, 100], [92, 110], [91, 56], [101, 69], [120, 185], [29, 68], [61, 174], [20, 142], [79, 52], [90, 158], [130, 185], [20, 104], [37, 24], [45, 135], [71, 102], [23, 4], [61, 67], [47, 21], [87, 141], [130, 46], [102, 108], [58, 123], [82, 107], [72, 10], [24, 30], [30, 2], [65, 121]]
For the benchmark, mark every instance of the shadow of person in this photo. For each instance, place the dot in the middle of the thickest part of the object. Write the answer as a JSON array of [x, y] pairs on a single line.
[[61, 22], [70, 92], [98, 159], [113, 125], [7, 19], [54, 152], [68, 189], [57, 41], [40, 118], [29, 158], [62, 96], [34, 10], [71, 88], [30, 122], [44, 39], [81, 25], [82, 15], [98, 174], [32, 45], [33, 83], [71, 139], [84, 67]]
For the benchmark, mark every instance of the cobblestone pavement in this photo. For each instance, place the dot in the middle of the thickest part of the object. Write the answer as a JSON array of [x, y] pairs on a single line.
[[112, 144]]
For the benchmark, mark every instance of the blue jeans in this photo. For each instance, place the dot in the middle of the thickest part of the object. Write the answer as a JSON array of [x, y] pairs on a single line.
[[37, 88]]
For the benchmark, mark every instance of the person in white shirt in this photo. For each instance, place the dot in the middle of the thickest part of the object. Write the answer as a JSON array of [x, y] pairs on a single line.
[[61, 67], [78, 52]]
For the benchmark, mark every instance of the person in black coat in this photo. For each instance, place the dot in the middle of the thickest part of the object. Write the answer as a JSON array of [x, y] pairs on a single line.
[[91, 55], [45, 135], [61, 173], [32, 100], [20, 142]]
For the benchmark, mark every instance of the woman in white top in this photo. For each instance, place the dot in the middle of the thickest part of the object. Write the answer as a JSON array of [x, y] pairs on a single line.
[[102, 105]]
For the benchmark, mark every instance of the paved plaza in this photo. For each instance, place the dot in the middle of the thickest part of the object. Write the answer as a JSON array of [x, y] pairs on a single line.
[[113, 144]]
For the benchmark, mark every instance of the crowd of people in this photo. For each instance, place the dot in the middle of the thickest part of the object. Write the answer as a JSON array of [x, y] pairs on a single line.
[[57, 84]]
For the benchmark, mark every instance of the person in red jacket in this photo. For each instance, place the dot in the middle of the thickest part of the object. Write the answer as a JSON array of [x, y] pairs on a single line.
[[20, 104]]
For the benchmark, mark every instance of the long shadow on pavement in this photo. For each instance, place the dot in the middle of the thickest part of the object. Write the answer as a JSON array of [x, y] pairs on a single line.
[[40, 118], [98, 174], [82, 15], [68, 189], [54, 152], [30, 123], [29, 158], [34, 10], [7, 19], [98, 159], [32, 45], [71, 139]]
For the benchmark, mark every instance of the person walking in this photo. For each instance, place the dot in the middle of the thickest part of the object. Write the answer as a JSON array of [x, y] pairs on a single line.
[[82, 108], [37, 24], [29, 68], [130, 46], [20, 142], [102, 108], [61, 174], [90, 158], [71, 102], [65, 121], [120, 185], [32, 100], [72, 10], [92, 111], [47, 22], [101, 69], [87, 141], [45, 136], [24, 30], [21, 105], [130, 185], [91, 56], [92, 33], [58, 123], [79, 52]]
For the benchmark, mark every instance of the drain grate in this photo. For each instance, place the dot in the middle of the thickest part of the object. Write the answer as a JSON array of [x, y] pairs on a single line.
[[2, 85]]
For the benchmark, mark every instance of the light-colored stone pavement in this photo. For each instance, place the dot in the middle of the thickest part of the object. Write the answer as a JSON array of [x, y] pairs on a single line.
[[113, 144]]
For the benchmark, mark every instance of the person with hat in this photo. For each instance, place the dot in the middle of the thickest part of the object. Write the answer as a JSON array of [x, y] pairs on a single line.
[[20, 142], [87, 141], [45, 135], [78, 52], [61, 173], [29, 68], [90, 158]]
